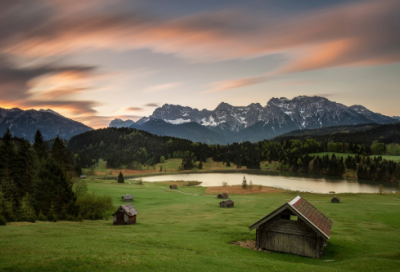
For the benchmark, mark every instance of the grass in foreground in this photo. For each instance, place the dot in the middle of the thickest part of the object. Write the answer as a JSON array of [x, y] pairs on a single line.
[[189, 232]]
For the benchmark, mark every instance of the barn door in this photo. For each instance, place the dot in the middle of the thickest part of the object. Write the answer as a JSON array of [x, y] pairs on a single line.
[[120, 217]]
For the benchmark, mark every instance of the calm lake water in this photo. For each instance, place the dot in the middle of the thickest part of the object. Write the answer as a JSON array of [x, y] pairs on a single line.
[[288, 181]]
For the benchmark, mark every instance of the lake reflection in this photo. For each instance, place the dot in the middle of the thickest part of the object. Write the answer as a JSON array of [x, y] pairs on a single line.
[[287, 181]]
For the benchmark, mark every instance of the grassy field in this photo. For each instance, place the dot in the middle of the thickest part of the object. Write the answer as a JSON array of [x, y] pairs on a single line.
[[345, 155], [185, 230]]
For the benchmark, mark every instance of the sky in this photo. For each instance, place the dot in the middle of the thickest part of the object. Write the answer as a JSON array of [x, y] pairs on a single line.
[[96, 60]]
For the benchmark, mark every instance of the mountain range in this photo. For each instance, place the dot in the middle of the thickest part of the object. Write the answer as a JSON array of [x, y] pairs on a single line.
[[24, 124], [253, 122]]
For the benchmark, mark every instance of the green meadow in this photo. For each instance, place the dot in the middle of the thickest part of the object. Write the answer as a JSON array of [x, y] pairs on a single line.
[[185, 230]]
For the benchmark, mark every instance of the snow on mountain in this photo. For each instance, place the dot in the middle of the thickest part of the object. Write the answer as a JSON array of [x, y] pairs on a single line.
[[278, 116]]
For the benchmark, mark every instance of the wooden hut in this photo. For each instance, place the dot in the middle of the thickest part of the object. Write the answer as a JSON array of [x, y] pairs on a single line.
[[173, 186], [335, 199], [127, 198], [296, 227], [125, 215], [222, 196], [226, 204]]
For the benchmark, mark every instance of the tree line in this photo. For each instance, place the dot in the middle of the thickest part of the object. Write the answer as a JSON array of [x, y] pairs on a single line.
[[36, 182]]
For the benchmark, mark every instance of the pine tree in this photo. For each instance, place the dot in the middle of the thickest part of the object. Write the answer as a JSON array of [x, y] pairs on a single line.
[[200, 166], [244, 183], [121, 178], [53, 187], [39, 145]]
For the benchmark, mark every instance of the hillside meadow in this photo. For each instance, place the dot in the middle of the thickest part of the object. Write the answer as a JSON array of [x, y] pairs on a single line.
[[185, 230]]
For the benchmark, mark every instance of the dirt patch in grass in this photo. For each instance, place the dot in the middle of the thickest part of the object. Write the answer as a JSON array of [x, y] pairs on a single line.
[[180, 183], [237, 189], [250, 244]]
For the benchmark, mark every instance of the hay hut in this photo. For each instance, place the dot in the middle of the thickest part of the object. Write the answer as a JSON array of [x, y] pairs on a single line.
[[222, 196], [226, 204], [173, 186], [125, 215], [296, 227], [127, 198], [335, 199]]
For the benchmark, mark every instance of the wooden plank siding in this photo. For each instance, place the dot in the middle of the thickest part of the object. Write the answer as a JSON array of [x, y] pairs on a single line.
[[285, 235]]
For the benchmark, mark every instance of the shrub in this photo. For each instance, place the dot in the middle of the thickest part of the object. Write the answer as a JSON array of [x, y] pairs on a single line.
[[3, 221], [42, 217], [94, 207]]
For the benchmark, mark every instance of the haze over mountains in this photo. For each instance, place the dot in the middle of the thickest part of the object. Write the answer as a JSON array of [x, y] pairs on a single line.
[[253, 122], [24, 124]]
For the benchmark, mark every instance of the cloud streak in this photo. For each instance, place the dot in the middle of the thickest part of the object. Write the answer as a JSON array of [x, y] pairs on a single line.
[[361, 33]]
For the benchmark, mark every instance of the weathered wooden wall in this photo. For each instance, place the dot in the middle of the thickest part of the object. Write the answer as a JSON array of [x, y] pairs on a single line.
[[289, 236]]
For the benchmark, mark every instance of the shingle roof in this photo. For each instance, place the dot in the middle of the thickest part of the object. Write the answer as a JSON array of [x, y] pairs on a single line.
[[228, 201], [224, 195], [335, 197], [128, 209], [124, 197], [305, 210], [318, 219]]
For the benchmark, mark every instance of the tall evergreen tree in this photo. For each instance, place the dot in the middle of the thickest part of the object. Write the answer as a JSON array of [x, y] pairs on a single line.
[[121, 178], [39, 145]]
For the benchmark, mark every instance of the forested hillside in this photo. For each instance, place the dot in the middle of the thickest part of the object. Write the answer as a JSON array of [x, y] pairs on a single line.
[[132, 149], [383, 133]]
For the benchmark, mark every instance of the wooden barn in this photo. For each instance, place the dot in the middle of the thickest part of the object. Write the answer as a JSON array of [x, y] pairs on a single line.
[[173, 186], [125, 215], [226, 204], [127, 198], [222, 196], [335, 199], [296, 227]]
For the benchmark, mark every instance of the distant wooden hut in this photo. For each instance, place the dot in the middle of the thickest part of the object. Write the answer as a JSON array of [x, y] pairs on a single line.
[[296, 227], [226, 204], [222, 196], [82, 176], [125, 215], [173, 186], [335, 199], [127, 198]]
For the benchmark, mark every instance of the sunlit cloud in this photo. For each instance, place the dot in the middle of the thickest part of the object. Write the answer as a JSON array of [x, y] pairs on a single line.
[[362, 36], [236, 83], [134, 109], [163, 87]]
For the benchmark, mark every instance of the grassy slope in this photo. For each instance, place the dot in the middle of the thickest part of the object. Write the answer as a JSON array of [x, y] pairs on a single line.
[[185, 232]]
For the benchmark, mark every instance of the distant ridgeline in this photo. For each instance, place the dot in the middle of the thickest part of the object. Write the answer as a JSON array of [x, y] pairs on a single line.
[[134, 149], [36, 182]]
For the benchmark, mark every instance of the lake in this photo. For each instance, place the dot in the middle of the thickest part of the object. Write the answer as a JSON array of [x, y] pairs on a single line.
[[287, 181]]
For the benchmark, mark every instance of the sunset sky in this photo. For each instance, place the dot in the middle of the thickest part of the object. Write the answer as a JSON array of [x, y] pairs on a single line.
[[95, 60]]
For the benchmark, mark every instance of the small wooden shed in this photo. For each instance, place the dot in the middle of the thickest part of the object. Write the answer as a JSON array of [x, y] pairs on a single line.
[[296, 227], [127, 198], [173, 186], [125, 215], [226, 204], [335, 199], [222, 196]]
